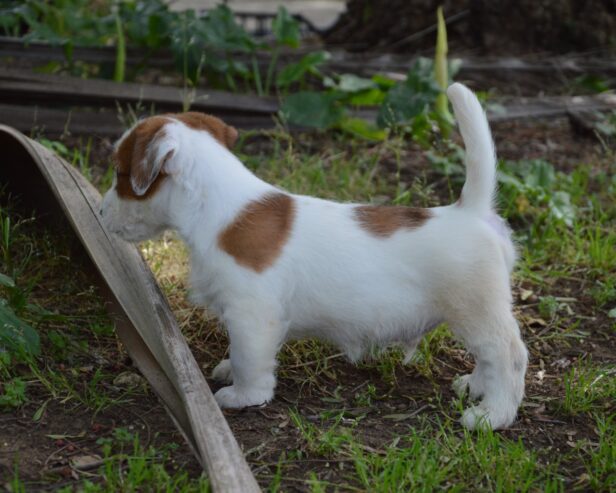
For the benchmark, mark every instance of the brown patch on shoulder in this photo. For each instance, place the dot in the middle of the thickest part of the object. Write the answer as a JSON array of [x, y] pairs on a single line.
[[131, 153], [257, 235], [225, 134], [383, 221]]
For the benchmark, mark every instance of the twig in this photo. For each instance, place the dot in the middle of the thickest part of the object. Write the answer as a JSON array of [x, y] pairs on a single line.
[[309, 363]]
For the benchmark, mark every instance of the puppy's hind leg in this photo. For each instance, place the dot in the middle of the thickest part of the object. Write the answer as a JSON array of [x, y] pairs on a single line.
[[255, 336], [501, 359]]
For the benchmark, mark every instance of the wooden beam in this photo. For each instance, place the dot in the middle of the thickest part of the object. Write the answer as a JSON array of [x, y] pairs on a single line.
[[33, 87], [54, 122]]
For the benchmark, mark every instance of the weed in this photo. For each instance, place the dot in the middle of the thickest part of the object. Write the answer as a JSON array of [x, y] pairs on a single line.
[[548, 307], [432, 345], [427, 459], [134, 468], [366, 396], [604, 292], [322, 442], [587, 387], [600, 462], [13, 393]]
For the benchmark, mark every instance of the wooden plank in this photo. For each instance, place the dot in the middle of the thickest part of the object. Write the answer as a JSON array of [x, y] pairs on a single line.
[[53, 122], [369, 64], [341, 60], [105, 123], [42, 52], [42, 87], [149, 328], [527, 108]]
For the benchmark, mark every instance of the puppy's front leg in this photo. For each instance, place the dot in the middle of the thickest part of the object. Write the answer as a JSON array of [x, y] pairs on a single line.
[[255, 339]]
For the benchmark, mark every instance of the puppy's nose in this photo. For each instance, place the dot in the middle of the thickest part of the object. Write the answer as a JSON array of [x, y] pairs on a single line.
[[100, 212]]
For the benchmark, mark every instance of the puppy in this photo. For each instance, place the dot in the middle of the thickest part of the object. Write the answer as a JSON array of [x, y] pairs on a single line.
[[276, 266]]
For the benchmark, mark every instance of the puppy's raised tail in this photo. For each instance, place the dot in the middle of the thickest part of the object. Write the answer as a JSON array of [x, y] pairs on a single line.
[[478, 192]]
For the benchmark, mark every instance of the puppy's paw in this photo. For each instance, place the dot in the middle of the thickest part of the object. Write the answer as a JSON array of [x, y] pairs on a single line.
[[231, 397], [475, 418], [222, 372], [478, 417], [469, 383], [459, 385]]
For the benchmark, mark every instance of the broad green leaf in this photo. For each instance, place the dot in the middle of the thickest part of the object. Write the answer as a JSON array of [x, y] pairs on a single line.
[[15, 334], [286, 28], [312, 109], [353, 83], [6, 281], [220, 30], [561, 207], [362, 128], [408, 99], [383, 81], [401, 105], [540, 174], [370, 97], [294, 72], [508, 179]]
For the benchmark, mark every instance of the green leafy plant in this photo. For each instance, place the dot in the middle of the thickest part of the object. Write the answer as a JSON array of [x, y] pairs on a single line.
[[408, 99], [286, 32], [401, 104], [533, 183], [313, 109], [296, 72]]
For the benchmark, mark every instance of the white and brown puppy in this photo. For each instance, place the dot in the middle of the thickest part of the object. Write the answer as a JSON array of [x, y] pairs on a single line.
[[276, 266]]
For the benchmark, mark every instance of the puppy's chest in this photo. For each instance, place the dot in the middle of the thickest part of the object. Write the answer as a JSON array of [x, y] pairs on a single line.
[[207, 286]]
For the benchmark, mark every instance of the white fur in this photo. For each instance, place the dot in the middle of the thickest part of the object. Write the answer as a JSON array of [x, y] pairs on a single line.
[[336, 281]]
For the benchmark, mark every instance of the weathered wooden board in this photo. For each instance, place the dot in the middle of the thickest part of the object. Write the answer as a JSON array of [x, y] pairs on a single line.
[[53, 122], [143, 318], [55, 104], [340, 61], [94, 122], [31, 87]]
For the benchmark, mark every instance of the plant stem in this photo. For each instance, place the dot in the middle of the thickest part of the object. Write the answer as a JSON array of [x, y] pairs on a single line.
[[270, 69]]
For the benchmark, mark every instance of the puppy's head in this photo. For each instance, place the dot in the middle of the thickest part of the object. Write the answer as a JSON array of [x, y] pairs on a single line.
[[148, 159]]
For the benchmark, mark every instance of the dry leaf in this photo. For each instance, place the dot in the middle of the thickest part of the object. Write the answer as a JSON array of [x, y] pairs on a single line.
[[85, 462]]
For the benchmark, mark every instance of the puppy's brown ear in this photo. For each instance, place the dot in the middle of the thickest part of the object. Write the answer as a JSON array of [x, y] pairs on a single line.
[[143, 154], [223, 133], [231, 135]]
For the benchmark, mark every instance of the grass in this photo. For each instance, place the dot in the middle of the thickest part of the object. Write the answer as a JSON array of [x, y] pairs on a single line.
[[589, 387], [127, 466], [380, 426]]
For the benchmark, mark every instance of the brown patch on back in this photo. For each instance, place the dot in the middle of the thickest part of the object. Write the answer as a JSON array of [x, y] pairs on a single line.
[[225, 134], [131, 152], [383, 221], [257, 235]]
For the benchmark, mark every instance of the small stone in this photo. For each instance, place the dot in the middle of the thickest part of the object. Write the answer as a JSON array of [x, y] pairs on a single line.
[[128, 379]]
